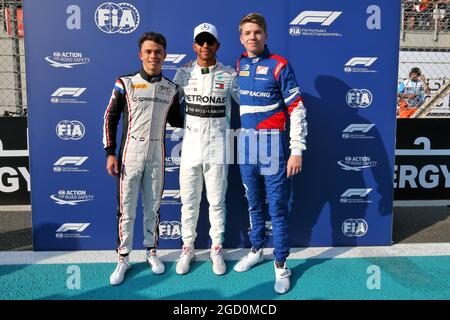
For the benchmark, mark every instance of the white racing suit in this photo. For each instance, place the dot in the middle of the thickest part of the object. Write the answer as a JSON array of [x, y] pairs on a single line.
[[207, 94], [145, 102]]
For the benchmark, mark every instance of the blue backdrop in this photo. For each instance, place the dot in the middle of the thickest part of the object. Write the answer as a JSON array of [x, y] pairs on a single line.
[[344, 53]]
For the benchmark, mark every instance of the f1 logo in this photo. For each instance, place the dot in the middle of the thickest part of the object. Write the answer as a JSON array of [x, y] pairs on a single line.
[[325, 18], [359, 127], [74, 92], [77, 161], [78, 227], [171, 194], [365, 61], [174, 58], [356, 192]]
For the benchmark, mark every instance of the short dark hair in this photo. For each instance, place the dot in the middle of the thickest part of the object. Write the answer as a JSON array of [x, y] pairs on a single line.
[[254, 18], [416, 71], [155, 37]]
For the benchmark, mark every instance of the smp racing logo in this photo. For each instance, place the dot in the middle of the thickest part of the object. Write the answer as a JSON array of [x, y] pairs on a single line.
[[117, 18], [314, 23], [354, 227]]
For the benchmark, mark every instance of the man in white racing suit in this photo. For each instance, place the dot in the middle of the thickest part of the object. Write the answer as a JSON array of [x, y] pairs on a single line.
[[207, 88], [144, 100]]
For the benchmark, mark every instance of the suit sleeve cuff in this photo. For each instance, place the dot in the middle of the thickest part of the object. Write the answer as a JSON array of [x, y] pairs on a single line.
[[110, 152]]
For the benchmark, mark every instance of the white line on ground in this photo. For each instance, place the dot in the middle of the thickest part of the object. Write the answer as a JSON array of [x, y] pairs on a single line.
[[15, 208], [109, 256], [421, 203]]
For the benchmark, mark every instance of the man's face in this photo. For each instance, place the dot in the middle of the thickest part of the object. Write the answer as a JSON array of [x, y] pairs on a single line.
[[414, 76], [205, 46], [152, 55], [253, 38]]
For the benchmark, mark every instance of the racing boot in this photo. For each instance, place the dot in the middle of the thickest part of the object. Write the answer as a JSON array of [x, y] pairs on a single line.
[[282, 277], [118, 275], [252, 258], [155, 263], [218, 263], [186, 258]]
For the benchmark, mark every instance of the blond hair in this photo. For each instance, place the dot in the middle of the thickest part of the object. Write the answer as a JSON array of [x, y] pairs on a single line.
[[253, 17]]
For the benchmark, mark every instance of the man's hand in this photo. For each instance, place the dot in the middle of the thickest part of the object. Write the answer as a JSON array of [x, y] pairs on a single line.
[[426, 87], [112, 166], [412, 96], [294, 165]]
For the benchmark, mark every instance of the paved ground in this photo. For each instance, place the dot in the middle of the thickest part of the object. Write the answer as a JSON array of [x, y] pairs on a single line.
[[421, 225], [15, 230], [411, 225]]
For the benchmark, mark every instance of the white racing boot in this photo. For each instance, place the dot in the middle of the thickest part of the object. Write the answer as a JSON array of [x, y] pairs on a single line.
[[155, 263], [118, 275], [186, 258], [282, 278], [218, 263], [251, 259]]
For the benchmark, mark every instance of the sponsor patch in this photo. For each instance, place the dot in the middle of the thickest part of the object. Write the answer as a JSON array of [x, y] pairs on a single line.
[[139, 86], [262, 70]]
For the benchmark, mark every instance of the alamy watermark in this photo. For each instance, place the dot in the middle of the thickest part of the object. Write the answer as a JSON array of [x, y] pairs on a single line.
[[374, 280], [73, 281], [253, 147]]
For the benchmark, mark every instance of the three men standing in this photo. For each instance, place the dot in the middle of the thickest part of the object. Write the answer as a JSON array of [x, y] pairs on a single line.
[[268, 94]]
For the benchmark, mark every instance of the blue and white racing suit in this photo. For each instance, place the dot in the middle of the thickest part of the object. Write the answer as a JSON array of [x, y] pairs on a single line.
[[412, 87], [269, 94]]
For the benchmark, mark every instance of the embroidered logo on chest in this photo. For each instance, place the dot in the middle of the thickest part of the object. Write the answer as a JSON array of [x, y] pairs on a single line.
[[262, 70]]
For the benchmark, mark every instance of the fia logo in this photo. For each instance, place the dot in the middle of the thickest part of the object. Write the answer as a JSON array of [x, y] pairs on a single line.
[[359, 98], [117, 18], [70, 130], [169, 230], [354, 227]]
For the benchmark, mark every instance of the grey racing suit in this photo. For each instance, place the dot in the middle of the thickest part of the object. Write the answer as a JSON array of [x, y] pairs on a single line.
[[145, 102], [207, 94]]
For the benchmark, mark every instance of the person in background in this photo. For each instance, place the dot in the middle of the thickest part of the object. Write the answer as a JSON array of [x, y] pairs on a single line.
[[411, 93]]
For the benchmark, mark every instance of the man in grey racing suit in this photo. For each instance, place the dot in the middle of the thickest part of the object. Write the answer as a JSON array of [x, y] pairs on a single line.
[[207, 88]]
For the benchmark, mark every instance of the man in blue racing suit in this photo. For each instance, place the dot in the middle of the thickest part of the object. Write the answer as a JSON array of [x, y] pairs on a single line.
[[269, 93]]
